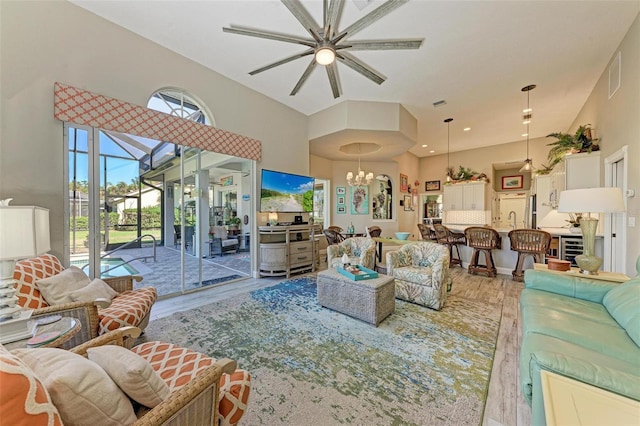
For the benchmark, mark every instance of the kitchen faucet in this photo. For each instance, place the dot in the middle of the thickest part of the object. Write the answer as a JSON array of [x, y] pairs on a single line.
[[514, 218]]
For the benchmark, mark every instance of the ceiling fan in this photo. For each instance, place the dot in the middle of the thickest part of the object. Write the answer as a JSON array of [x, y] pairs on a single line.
[[328, 44]]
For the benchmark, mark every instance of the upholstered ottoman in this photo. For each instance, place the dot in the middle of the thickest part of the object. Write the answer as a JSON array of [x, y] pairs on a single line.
[[368, 300]]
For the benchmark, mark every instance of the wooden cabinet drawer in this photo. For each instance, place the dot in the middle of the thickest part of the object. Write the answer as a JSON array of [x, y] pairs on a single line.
[[300, 247], [301, 258]]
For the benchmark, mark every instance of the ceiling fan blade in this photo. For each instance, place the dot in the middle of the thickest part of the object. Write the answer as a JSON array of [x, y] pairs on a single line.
[[353, 63], [304, 77], [269, 35], [331, 17], [384, 44], [301, 14], [334, 80], [283, 61], [371, 17]]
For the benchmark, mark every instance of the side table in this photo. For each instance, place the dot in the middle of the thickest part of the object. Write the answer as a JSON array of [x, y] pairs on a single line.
[[615, 277], [570, 402], [66, 326]]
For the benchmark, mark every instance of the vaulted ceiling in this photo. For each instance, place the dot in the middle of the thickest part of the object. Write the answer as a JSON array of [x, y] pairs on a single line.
[[476, 56]]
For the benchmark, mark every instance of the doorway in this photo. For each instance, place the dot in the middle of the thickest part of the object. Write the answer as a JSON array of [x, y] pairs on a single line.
[[615, 232]]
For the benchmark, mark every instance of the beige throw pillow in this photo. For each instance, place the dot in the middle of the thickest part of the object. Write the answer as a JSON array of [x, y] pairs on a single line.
[[81, 391], [56, 288], [96, 289], [132, 373]]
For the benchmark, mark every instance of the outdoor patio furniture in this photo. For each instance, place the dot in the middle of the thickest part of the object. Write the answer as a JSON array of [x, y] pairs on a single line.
[[128, 307], [221, 242], [170, 385]]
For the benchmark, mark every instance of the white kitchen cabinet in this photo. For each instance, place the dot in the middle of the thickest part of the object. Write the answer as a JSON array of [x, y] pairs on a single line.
[[465, 196], [582, 170]]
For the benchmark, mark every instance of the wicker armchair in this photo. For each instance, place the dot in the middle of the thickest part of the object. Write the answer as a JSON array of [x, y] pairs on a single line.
[[361, 251], [421, 272], [129, 307], [199, 385]]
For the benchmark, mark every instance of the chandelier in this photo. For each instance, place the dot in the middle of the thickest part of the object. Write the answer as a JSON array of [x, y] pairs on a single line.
[[526, 119], [360, 179]]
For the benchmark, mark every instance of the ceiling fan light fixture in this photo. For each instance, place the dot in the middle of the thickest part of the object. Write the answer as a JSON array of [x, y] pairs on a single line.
[[325, 55]]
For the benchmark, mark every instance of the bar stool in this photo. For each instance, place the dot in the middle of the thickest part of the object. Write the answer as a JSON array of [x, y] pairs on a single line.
[[450, 239], [528, 242], [483, 240], [427, 233]]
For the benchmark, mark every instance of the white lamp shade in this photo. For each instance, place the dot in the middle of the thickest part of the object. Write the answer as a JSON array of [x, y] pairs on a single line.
[[24, 232], [325, 55], [591, 200]]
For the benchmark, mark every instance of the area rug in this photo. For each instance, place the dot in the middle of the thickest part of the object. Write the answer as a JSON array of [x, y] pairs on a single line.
[[314, 366]]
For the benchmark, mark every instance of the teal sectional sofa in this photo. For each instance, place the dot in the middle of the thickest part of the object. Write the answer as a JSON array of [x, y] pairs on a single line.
[[581, 328]]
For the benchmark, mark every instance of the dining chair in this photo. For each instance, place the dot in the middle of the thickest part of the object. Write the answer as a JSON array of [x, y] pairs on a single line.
[[333, 236], [374, 231]]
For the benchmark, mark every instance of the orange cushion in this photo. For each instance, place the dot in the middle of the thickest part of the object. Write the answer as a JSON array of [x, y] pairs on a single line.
[[127, 308], [177, 366], [23, 398], [27, 272]]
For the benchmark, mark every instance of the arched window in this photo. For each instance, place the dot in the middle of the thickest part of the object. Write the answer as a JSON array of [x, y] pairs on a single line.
[[181, 104]]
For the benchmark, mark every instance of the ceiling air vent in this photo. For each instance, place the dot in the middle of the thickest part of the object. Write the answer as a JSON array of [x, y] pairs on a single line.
[[439, 103]]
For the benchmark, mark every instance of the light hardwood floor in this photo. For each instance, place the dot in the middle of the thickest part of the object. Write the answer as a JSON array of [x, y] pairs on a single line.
[[505, 405]]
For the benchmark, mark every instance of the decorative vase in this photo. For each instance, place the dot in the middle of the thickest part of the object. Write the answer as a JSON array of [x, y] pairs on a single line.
[[575, 230]]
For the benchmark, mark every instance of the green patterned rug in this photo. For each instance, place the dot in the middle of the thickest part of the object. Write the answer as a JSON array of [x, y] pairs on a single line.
[[314, 366]]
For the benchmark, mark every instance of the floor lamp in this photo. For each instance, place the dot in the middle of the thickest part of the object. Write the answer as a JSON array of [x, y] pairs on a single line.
[[590, 200]]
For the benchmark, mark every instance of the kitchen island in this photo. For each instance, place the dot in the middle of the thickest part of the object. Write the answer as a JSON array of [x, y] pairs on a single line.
[[569, 243]]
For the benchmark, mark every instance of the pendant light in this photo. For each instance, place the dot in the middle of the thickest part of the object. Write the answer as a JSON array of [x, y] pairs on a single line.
[[526, 119], [448, 121]]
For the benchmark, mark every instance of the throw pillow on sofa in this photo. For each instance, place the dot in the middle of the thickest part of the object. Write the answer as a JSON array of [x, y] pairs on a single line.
[[56, 289], [131, 373], [83, 393], [96, 289]]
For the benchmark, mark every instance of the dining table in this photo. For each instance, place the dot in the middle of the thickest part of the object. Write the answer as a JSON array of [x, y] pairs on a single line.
[[380, 241]]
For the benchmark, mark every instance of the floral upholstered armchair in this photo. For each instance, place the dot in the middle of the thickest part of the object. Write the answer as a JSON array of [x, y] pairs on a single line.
[[421, 272], [99, 310], [361, 251]]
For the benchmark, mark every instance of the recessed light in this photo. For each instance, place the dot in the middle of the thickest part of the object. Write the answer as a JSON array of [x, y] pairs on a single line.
[[424, 146], [466, 129], [431, 152]]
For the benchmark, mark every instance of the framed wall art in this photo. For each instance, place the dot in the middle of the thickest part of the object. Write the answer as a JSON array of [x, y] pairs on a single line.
[[404, 183], [359, 200], [342, 209], [432, 185], [341, 190], [512, 182], [226, 181], [341, 200], [407, 203]]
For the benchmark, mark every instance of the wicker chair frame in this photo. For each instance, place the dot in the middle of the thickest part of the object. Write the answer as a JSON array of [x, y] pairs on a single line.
[[450, 239], [483, 240], [196, 403], [528, 242]]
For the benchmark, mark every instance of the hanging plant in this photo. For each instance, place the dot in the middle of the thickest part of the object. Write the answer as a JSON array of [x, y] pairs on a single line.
[[581, 141]]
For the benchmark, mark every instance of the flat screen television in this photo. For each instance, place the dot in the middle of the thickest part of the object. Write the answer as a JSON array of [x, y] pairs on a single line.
[[286, 192]]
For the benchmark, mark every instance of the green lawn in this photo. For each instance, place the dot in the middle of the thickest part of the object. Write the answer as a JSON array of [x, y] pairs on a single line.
[[115, 237]]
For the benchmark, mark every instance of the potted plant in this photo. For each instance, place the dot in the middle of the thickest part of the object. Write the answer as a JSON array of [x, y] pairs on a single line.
[[581, 141], [234, 222]]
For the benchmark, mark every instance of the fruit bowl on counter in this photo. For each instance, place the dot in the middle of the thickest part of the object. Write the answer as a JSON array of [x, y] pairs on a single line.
[[402, 235]]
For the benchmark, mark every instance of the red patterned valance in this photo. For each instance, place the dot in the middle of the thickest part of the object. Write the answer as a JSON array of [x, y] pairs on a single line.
[[83, 107]]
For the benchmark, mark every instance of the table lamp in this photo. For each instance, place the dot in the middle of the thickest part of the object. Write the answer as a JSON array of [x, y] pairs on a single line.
[[24, 232], [590, 200]]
